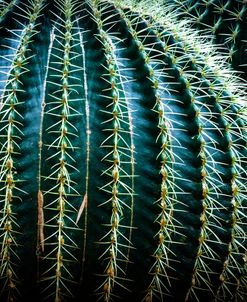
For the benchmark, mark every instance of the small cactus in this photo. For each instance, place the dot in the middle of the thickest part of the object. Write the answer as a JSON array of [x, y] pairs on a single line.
[[122, 157]]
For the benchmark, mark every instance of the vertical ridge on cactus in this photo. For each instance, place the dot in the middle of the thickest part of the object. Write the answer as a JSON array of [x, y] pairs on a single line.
[[164, 218], [13, 191], [61, 151], [122, 156], [119, 160]]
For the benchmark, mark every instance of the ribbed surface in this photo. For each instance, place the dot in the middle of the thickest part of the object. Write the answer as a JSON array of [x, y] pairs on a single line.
[[225, 22], [122, 158]]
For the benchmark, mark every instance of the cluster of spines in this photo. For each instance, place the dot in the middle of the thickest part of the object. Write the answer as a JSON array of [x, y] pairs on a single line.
[[227, 24], [11, 135], [58, 246], [120, 161], [209, 185], [5, 7], [163, 255], [180, 63], [202, 112], [234, 267]]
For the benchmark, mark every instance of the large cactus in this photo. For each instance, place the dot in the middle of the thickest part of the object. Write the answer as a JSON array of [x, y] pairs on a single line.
[[225, 22], [122, 157]]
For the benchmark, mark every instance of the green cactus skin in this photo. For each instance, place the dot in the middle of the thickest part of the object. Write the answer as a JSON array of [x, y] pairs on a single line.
[[224, 21], [122, 157]]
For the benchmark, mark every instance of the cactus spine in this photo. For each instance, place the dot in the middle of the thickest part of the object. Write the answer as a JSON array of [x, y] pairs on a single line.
[[122, 156]]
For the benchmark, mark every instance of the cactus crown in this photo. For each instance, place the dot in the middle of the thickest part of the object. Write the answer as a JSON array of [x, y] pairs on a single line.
[[122, 156]]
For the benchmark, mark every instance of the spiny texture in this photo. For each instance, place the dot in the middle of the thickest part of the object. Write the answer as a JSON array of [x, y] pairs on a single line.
[[225, 22], [122, 157], [5, 6]]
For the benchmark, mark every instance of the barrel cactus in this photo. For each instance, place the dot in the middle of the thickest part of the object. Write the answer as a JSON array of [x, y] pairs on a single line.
[[122, 157], [225, 22]]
